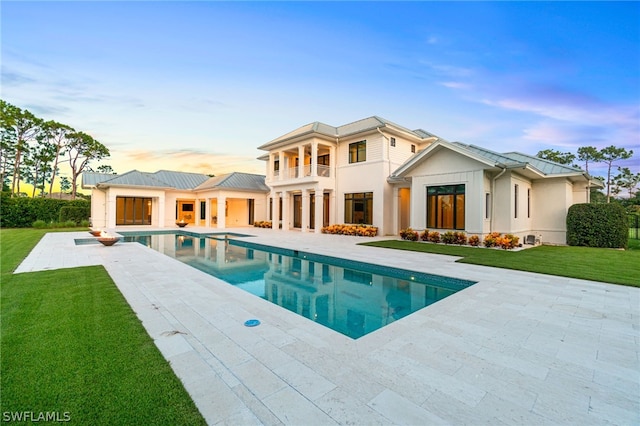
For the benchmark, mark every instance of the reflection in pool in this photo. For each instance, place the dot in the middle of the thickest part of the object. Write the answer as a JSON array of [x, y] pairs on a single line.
[[352, 298]]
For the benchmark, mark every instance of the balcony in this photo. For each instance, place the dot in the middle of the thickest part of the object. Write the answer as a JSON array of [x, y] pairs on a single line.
[[304, 173]]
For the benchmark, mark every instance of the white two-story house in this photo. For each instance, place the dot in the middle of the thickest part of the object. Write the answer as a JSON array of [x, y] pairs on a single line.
[[376, 172], [320, 174]]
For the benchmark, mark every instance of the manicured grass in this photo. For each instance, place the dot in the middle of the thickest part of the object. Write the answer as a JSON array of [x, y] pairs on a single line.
[[606, 265], [71, 344]]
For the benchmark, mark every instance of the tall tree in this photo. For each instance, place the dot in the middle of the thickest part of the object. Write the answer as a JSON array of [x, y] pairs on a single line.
[[627, 180], [82, 148], [56, 134], [20, 128], [609, 155], [557, 156], [38, 164], [65, 185], [589, 154], [106, 169]]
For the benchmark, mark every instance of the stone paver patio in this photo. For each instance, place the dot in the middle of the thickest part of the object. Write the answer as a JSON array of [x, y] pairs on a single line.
[[515, 348]]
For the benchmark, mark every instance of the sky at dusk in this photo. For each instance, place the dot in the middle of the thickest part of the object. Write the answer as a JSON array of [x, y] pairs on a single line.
[[198, 86]]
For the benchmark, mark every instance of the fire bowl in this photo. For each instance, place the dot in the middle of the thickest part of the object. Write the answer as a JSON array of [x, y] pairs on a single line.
[[181, 224], [108, 241], [95, 233]]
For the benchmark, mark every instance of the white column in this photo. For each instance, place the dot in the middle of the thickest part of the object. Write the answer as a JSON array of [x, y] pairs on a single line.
[[301, 161], [282, 165], [314, 158], [196, 211], [319, 213], [161, 211], [396, 210], [275, 211], [207, 207], [285, 211], [110, 208], [222, 201], [305, 210]]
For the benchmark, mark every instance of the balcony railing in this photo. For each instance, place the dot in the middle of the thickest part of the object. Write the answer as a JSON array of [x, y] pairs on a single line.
[[293, 172]]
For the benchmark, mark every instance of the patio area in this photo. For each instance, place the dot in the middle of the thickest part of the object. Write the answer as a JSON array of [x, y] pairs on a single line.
[[515, 348]]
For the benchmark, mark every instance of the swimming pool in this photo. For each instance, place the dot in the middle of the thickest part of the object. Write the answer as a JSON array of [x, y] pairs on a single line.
[[350, 297]]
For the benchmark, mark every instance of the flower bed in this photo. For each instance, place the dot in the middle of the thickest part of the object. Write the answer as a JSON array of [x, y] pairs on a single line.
[[495, 239], [262, 224], [359, 230]]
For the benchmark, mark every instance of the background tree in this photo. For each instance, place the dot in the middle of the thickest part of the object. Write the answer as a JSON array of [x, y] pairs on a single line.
[[589, 154], [65, 185], [81, 149], [56, 135], [107, 169], [557, 156], [20, 128], [38, 164], [627, 180], [609, 155]]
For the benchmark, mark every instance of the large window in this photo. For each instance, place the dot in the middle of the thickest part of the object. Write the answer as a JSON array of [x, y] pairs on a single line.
[[445, 207], [358, 208], [133, 211], [358, 152]]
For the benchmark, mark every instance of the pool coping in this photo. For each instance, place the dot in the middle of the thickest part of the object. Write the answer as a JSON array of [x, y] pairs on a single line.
[[515, 347]]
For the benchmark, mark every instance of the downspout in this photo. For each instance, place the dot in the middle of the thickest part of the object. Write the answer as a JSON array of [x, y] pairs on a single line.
[[493, 196]]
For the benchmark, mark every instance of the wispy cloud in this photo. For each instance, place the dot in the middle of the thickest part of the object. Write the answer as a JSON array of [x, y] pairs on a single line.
[[197, 161], [456, 85]]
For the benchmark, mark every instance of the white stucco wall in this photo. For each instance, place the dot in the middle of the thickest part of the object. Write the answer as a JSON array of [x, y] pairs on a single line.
[[553, 198], [445, 167]]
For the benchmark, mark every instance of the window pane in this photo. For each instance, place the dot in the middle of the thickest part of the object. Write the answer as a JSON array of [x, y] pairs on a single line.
[[446, 211], [431, 212], [120, 211], [460, 211]]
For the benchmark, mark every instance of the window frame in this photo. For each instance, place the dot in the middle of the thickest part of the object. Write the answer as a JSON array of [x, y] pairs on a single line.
[[358, 152], [358, 204], [437, 202]]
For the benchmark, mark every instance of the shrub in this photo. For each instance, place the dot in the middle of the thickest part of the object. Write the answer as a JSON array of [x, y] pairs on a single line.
[[597, 225], [460, 238], [424, 236], [75, 214], [449, 237], [262, 224], [491, 240], [434, 237], [39, 224], [22, 212], [474, 241], [358, 230], [508, 241], [409, 234]]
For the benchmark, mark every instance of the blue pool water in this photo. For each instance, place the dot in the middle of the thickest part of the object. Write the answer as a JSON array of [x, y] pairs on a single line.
[[350, 297]]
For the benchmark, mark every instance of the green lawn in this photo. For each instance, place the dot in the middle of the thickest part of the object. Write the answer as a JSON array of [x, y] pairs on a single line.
[[72, 345], [607, 265]]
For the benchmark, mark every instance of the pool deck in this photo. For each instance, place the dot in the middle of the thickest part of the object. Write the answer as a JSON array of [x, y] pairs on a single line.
[[515, 348]]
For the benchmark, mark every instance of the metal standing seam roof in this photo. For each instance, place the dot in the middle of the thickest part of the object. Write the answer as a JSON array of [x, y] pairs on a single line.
[[511, 159], [236, 180], [545, 167], [363, 125], [93, 178]]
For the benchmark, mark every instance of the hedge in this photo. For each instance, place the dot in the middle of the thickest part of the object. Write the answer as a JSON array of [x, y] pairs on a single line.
[[597, 225], [21, 212]]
